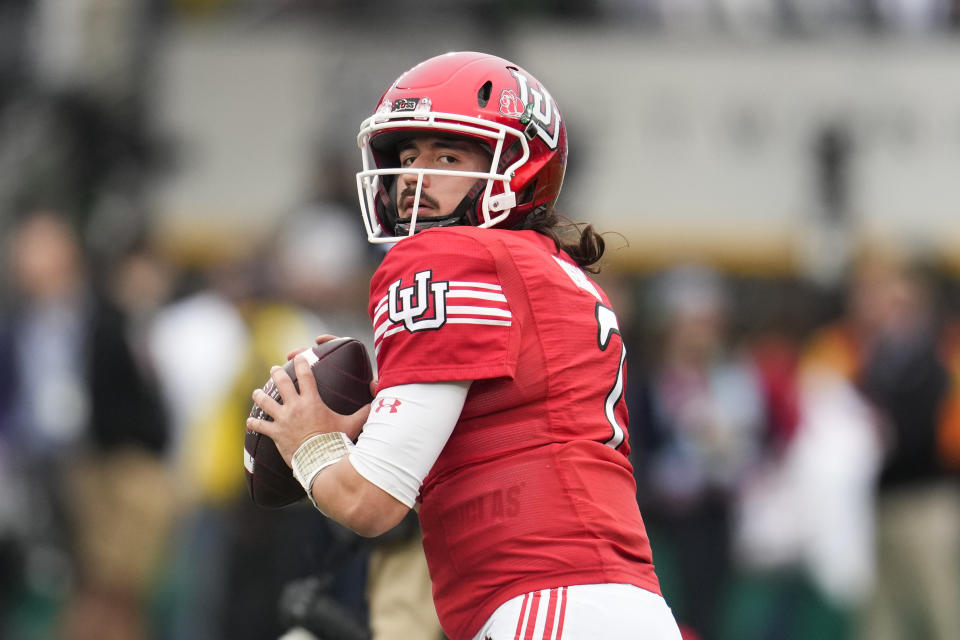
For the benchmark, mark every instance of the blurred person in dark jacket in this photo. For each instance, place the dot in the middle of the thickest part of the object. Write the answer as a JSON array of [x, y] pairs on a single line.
[[83, 431], [893, 348], [701, 424]]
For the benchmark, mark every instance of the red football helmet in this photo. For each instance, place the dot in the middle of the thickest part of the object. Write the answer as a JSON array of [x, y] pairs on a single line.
[[479, 96]]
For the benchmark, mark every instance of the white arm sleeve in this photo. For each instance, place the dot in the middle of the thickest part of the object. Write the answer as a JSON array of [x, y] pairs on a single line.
[[406, 430]]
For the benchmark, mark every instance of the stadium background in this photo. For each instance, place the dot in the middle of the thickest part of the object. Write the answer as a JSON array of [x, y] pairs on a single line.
[[769, 140]]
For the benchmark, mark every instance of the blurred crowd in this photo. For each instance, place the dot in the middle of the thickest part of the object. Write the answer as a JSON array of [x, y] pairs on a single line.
[[124, 510], [798, 477], [796, 444]]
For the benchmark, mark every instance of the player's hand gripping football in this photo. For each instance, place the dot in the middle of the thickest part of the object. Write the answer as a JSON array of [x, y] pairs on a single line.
[[301, 414]]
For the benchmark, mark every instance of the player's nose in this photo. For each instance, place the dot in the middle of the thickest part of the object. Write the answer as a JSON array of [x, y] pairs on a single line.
[[413, 176]]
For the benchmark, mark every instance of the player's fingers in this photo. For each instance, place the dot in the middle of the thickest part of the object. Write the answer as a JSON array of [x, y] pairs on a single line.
[[266, 427], [373, 387], [283, 383], [305, 379], [325, 337], [269, 405], [293, 354]]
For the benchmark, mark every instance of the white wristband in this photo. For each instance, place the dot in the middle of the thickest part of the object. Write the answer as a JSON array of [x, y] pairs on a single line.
[[315, 455]]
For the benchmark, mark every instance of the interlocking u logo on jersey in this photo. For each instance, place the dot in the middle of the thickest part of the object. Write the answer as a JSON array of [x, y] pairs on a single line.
[[411, 305]]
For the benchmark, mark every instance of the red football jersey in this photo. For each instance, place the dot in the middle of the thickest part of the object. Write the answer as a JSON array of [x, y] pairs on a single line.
[[534, 488]]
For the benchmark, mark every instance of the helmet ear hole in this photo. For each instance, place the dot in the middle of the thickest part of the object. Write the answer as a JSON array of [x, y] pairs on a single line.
[[483, 95], [526, 195]]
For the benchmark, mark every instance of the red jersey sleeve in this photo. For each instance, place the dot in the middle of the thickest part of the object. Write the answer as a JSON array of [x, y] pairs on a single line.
[[440, 312]]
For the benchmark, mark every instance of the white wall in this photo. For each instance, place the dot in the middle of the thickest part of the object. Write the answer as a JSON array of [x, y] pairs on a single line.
[[709, 144], [692, 146]]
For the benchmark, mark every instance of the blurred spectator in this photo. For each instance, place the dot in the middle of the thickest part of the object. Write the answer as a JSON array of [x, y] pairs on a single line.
[[194, 337], [322, 261], [84, 430], [891, 347], [698, 430], [211, 345], [204, 342], [804, 515]]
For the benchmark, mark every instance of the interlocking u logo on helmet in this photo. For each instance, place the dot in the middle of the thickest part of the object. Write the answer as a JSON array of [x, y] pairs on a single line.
[[540, 110]]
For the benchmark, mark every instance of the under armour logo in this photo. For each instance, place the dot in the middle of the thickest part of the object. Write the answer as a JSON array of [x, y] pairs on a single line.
[[415, 316], [392, 406]]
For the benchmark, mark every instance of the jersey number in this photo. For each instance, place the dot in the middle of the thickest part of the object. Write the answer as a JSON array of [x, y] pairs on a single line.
[[606, 327]]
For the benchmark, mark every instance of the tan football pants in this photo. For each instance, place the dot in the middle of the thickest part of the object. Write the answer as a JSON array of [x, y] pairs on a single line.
[[399, 593]]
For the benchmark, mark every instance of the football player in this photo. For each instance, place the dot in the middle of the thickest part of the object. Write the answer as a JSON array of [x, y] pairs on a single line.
[[500, 411]]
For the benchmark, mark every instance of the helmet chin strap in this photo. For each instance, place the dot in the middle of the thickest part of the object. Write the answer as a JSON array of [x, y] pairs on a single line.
[[463, 215]]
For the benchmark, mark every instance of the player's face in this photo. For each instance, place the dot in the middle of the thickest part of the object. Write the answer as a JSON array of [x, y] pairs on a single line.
[[440, 194]]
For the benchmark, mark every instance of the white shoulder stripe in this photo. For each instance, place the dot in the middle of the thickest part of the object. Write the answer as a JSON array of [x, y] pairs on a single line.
[[480, 311], [387, 329], [455, 315], [456, 291], [382, 309], [475, 285], [454, 285], [378, 331], [479, 295], [503, 323], [481, 303]]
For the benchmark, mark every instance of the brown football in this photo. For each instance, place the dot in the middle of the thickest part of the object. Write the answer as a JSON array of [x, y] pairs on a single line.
[[342, 370]]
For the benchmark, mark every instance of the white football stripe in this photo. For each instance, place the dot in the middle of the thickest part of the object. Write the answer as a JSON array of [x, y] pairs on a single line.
[[311, 356], [247, 461]]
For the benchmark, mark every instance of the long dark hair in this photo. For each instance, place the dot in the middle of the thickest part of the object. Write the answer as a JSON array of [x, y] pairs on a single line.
[[580, 240]]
